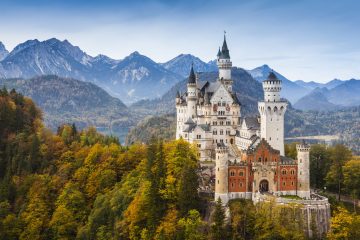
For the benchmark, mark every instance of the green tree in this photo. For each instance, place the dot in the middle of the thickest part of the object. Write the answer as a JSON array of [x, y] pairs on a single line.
[[188, 197], [319, 165], [191, 227], [242, 219], [218, 230], [340, 154]]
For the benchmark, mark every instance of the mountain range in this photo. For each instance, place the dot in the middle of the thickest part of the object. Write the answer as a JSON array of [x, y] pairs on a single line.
[[340, 94], [130, 79], [138, 78]]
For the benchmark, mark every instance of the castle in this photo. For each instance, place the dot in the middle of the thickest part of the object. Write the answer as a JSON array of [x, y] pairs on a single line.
[[246, 153]]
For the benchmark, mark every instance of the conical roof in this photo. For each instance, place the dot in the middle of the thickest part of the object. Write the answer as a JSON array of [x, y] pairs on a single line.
[[224, 50], [192, 77], [272, 77]]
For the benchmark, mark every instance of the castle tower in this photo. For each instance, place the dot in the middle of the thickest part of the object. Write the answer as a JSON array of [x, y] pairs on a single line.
[[303, 158], [192, 96], [224, 64], [272, 111], [221, 173]]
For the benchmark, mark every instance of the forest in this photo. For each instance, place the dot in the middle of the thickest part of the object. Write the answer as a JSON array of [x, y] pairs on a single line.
[[80, 184]]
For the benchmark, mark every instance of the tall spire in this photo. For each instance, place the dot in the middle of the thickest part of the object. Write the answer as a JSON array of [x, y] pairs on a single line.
[[192, 77], [224, 50]]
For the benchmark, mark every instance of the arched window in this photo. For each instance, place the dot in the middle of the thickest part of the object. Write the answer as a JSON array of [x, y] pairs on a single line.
[[283, 172], [232, 173]]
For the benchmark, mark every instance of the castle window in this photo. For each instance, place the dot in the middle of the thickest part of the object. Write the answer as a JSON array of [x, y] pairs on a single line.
[[232, 173], [221, 132], [232, 185], [284, 183], [283, 172], [241, 184], [241, 173], [292, 183], [292, 172], [198, 136], [199, 145]]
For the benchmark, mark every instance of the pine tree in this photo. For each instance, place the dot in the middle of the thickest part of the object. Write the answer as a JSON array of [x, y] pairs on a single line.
[[218, 231], [188, 197]]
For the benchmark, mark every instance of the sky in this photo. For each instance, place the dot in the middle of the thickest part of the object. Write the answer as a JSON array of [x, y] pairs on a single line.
[[311, 40]]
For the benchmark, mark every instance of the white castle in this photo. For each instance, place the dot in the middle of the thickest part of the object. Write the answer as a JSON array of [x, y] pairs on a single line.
[[246, 153], [209, 115]]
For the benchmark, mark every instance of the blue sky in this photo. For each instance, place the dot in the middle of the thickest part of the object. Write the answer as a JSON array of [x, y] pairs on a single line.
[[302, 39]]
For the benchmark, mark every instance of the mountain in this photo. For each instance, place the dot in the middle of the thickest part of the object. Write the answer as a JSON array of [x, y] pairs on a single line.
[[312, 85], [138, 77], [290, 90], [133, 78], [66, 100], [182, 63], [3, 51], [344, 95], [316, 100]]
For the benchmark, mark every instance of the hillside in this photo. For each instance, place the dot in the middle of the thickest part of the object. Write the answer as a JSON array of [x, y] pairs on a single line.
[[66, 100], [315, 100]]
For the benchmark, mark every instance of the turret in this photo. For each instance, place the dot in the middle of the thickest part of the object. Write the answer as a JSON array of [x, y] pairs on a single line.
[[272, 111], [303, 158], [191, 94], [272, 88], [221, 174], [177, 100], [224, 64]]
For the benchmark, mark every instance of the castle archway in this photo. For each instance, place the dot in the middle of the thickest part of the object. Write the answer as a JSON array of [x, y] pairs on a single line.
[[264, 186]]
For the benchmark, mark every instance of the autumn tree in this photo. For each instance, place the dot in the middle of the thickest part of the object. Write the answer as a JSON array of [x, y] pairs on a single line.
[[352, 179]]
